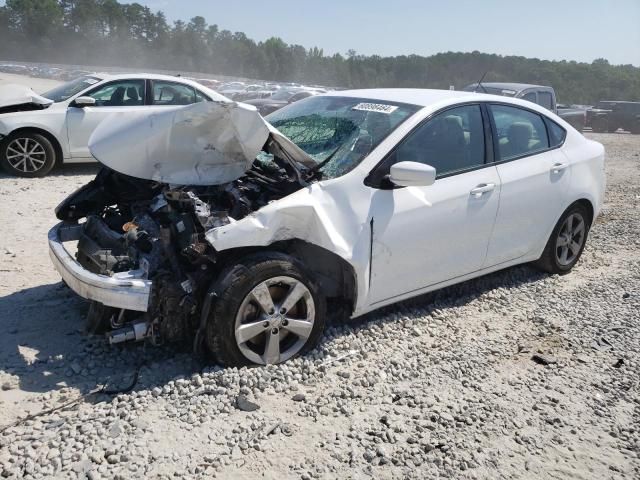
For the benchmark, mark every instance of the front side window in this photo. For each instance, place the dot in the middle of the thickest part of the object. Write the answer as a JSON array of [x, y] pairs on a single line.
[[339, 132], [69, 89], [451, 141], [519, 132], [120, 93], [530, 97], [172, 93]]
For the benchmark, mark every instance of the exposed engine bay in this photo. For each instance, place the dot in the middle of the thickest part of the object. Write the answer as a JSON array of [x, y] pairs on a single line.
[[131, 223]]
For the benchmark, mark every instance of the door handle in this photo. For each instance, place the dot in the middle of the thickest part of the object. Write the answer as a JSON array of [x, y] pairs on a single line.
[[558, 167], [482, 189]]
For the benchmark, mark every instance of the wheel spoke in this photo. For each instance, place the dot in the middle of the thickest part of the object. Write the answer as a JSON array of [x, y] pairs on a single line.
[[248, 331], [261, 295], [19, 164], [301, 328], [563, 254], [14, 150], [574, 247], [294, 295], [579, 229], [272, 348]]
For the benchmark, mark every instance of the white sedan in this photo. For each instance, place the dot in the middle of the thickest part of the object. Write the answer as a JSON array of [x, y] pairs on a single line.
[[242, 231], [39, 131]]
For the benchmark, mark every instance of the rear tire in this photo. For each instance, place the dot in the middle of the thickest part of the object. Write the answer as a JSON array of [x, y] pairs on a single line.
[[567, 241], [27, 154], [241, 330]]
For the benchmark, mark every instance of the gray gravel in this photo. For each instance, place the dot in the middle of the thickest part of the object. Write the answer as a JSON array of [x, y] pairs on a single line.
[[443, 386]]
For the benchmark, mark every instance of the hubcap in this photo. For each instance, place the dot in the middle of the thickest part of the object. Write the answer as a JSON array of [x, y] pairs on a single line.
[[275, 320], [570, 239], [26, 155]]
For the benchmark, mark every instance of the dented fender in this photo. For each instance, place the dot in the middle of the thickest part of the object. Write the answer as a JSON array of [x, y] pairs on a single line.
[[323, 215]]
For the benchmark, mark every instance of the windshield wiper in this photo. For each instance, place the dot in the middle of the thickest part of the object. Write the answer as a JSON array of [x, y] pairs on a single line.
[[314, 169]]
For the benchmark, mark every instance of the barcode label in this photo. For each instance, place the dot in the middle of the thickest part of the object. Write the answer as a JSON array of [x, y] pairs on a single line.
[[375, 107]]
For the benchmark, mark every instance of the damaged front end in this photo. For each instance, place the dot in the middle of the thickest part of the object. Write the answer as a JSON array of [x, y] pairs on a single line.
[[18, 98], [142, 255]]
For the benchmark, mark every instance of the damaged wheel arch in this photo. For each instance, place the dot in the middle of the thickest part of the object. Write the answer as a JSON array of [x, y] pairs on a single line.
[[265, 307]]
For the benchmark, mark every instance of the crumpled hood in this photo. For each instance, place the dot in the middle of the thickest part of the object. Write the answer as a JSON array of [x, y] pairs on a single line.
[[207, 143], [13, 94]]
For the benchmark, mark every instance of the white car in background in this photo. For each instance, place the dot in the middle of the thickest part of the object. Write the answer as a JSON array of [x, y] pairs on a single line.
[[360, 199], [39, 131]]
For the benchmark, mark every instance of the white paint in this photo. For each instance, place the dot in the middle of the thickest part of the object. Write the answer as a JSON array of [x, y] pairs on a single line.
[[424, 237], [429, 237], [12, 94], [70, 126]]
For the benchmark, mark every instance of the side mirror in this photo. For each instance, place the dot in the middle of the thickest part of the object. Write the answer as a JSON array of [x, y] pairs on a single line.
[[412, 174], [81, 102]]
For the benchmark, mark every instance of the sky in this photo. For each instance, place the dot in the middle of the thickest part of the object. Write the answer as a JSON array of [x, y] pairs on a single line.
[[580, 30]]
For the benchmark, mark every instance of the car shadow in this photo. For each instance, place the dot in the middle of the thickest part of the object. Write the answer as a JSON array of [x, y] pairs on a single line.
[[43, 343]]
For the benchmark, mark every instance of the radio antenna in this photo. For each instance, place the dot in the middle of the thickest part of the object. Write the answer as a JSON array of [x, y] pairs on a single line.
[[479, 84]]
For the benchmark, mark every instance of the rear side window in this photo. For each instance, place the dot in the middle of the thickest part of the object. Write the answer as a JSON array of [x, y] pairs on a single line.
[[171, 93], [557, 134], [520, 132]]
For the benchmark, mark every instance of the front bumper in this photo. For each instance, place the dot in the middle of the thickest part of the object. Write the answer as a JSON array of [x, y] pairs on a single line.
[[127, 290]]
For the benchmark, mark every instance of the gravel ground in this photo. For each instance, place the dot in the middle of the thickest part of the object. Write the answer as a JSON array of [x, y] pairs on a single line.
[[443, 386]]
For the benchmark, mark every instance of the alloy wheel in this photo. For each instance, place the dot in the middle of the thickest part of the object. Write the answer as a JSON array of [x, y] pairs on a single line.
[[570, 239], [26, 155], [274, 320]]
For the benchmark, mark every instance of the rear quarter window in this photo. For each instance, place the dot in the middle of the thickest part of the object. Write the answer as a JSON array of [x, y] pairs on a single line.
[[557, 134]]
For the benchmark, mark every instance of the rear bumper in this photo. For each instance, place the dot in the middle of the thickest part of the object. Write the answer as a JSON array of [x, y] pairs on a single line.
[[127, 290]]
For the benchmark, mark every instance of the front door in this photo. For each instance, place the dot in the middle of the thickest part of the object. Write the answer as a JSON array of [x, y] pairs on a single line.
[[423, 236]]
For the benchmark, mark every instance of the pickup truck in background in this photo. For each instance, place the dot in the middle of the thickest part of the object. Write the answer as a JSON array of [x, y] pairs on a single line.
[[544, 96], [609, 116]]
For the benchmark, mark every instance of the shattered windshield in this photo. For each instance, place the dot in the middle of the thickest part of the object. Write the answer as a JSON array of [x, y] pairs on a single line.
[[69, 89], [338, 132]]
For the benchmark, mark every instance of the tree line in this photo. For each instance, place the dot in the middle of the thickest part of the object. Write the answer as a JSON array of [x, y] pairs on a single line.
[[109, 33]]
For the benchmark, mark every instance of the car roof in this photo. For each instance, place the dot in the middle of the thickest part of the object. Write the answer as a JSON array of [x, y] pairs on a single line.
[[436, 98], [518, 87], [416, 96], [151, 76]]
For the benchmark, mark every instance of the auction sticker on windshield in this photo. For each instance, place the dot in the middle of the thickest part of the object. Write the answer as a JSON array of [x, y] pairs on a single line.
[[375, 107]]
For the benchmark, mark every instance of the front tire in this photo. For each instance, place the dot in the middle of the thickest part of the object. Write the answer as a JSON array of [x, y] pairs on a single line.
[[567, 241], [27, 154], [267, 309]]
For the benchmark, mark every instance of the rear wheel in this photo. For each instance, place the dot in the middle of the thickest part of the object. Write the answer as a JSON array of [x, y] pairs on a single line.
[[567, 241], [267, 310], [27, 154]]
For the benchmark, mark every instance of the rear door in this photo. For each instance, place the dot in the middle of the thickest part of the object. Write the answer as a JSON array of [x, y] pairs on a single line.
[[118, 96], [534, 176]]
